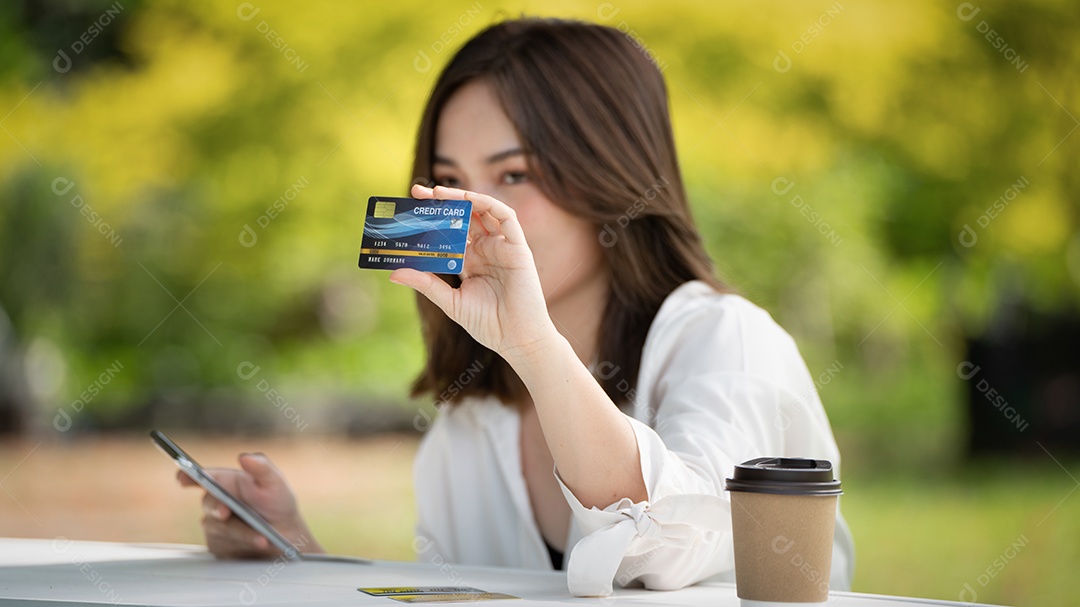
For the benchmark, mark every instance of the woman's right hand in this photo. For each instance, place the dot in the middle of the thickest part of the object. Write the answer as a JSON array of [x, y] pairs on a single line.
[[500, 301], [260, 485]]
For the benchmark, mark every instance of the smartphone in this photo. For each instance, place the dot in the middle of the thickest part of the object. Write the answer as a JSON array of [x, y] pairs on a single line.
[[194, 471]]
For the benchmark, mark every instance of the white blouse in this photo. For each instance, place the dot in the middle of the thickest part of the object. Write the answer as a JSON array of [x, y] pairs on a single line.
[[720, 383]]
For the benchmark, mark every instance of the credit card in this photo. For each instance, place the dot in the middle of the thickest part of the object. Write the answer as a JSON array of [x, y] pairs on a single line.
[[436, 594], [426, 235]]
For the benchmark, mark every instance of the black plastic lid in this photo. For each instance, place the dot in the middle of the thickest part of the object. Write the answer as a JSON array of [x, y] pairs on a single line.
[[785, 476]]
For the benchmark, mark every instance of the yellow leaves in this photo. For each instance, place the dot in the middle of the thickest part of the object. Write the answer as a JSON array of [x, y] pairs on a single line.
[[1027, 218], [214, 119], [864, 55], [248, 166], [19, 143], [125, 128], [1035, 224]]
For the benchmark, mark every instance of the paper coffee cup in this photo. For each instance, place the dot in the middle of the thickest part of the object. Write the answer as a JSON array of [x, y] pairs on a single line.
[[783, 512]]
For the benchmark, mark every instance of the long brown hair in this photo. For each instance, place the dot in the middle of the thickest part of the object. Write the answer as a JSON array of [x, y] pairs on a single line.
[[590, 108]]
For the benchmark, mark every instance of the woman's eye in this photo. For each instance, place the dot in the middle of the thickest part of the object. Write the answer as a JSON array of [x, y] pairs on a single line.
[[448, 182], [514, 177]]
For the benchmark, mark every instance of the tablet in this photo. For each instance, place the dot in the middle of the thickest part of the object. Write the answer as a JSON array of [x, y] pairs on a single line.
[[194, 471]]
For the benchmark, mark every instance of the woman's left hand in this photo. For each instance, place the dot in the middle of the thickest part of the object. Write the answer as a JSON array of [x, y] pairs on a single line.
[[500, 301]]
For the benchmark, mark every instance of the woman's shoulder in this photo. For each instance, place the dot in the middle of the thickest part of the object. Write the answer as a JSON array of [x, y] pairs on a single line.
[[719, 329], [699, 303]]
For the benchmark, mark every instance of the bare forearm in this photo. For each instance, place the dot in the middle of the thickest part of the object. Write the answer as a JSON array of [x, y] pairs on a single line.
[[591, 441]]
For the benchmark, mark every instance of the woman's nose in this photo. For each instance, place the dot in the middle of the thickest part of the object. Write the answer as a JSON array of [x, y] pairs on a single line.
[[481, 186]]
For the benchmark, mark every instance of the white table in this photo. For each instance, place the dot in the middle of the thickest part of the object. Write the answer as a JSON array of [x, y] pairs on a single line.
[[60, 572]]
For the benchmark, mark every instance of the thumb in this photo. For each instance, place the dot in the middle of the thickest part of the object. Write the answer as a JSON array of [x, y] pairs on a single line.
[[431, 286], [262, 470]]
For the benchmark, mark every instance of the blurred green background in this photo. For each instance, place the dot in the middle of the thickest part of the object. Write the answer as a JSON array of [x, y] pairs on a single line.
[[182, 181]]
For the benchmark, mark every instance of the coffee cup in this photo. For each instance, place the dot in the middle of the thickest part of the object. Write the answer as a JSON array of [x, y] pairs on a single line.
[[783, 514]]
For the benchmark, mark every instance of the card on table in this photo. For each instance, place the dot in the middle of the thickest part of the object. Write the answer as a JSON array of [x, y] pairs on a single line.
[[426, 235], [436, 594]]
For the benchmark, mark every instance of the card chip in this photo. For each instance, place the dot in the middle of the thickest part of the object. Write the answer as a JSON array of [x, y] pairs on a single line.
[[384, 210]]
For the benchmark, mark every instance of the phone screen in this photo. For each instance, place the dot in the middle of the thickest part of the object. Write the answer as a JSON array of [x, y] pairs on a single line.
[[240, 509]]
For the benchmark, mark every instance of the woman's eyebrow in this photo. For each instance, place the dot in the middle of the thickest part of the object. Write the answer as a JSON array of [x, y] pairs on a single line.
[[503, 155]]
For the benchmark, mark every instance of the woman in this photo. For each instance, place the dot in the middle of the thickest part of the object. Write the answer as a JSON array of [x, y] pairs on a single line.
[[598, 382]]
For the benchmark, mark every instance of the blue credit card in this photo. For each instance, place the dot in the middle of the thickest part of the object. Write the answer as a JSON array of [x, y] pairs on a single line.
[[426, 235]]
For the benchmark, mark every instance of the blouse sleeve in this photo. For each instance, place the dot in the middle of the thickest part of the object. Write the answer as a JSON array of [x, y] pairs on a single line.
[[720, 383]]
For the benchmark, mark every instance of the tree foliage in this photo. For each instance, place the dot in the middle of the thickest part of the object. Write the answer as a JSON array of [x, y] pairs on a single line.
[[187, 195]]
